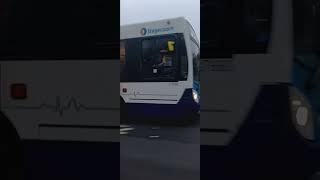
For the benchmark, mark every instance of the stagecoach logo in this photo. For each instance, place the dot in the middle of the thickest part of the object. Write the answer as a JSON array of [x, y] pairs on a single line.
[[143, 31], [147, 31]]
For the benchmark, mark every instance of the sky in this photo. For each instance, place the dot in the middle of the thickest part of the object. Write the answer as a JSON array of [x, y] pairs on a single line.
[[135, 11]]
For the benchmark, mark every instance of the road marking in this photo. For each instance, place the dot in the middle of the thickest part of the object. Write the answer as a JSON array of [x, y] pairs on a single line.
[[154, 136], [124, 129]]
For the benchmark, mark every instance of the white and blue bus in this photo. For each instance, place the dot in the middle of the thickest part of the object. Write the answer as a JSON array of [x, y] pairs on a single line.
[[260, 75], [160, 68]]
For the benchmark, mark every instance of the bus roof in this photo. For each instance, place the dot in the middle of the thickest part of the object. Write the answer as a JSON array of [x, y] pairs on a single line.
[[153, 28]]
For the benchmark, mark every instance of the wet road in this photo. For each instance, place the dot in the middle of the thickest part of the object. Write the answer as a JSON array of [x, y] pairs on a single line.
[[71, 160], [160, 150]]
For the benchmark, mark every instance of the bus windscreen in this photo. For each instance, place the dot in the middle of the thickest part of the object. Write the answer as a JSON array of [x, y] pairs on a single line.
[[235, 27], [57, 29], [152, 59]]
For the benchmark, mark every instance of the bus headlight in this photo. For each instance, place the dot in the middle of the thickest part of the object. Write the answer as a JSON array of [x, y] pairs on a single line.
[[302, 116], [195, 96]]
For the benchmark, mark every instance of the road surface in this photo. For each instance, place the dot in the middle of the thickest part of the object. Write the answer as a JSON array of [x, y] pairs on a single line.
[[160, 150]]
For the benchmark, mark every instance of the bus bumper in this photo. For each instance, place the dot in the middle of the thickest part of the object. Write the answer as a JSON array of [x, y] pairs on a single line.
[[186, 107]]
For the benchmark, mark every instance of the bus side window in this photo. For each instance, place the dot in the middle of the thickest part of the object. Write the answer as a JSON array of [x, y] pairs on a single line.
[[254, 26], [196, 60], [306, 25], [183, 61], [236, 27], [147, 50]]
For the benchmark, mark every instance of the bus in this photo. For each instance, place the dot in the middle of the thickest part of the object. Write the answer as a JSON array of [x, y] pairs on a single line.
[[57, 65], [159, 69], [260, 78]]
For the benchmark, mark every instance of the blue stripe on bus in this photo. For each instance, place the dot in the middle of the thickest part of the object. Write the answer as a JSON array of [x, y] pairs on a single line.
[[196, 86]]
